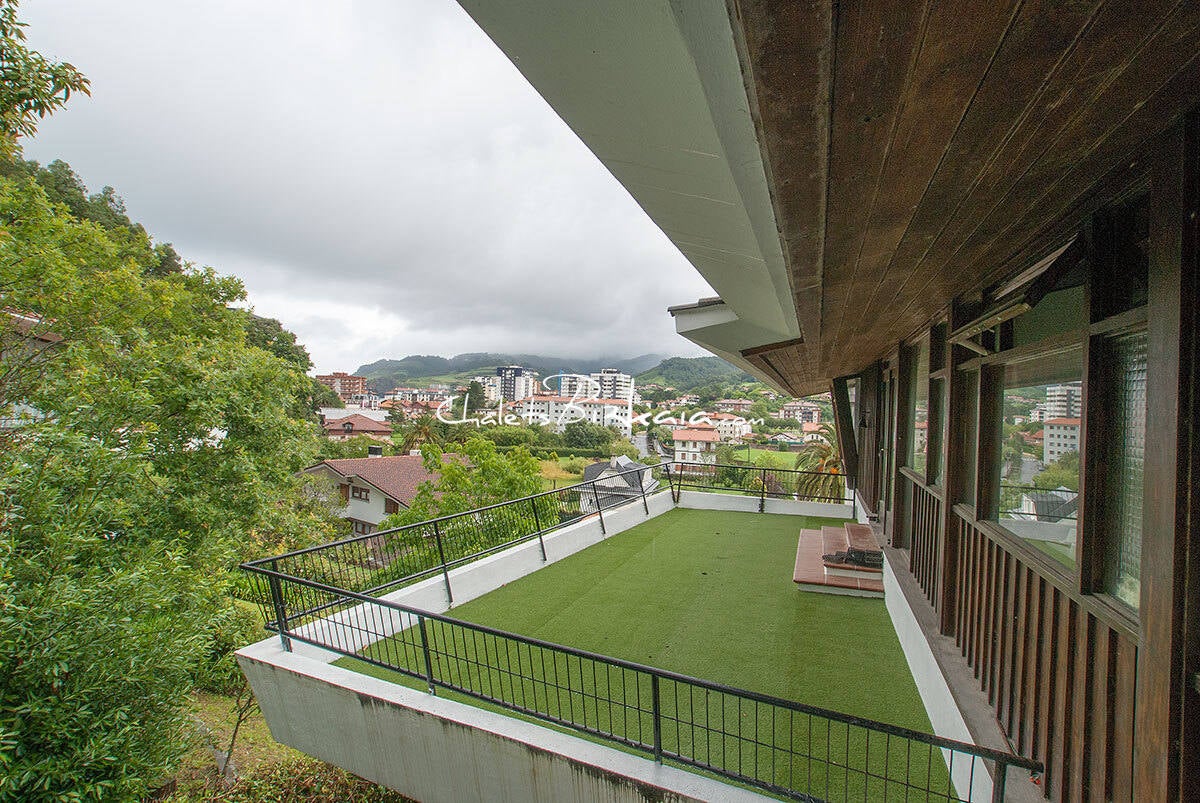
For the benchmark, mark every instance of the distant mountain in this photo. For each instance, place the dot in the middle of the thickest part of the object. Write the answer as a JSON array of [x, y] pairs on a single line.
[[688, 373], [423, 368]]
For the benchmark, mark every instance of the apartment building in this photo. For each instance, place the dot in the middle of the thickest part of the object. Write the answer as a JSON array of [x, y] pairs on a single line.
[[343, 384]]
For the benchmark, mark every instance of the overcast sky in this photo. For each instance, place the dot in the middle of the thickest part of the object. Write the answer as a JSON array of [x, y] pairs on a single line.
[[376, 171]]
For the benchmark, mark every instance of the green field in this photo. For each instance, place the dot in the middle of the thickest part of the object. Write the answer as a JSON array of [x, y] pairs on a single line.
[[777, 459], [707, 594]]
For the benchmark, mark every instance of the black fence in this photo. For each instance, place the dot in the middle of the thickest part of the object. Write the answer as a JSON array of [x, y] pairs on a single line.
[[765, 483], [381, 561], [1033, 503], [785, 747]]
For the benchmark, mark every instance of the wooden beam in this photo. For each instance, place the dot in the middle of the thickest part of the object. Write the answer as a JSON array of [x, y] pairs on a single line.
[[1190, 512], [1161, 684]]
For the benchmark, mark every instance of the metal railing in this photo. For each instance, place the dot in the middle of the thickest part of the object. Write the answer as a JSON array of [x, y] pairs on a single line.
[[1011, 505], [785, 747], [378, 562], [763, 482]]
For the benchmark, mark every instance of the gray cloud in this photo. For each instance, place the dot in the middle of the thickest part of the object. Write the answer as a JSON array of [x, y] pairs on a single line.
[[378, 173]]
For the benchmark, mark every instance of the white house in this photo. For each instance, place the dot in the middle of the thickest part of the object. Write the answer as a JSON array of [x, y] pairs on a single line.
[[732, 428], [696, 444], [373, 487], [558, 411]]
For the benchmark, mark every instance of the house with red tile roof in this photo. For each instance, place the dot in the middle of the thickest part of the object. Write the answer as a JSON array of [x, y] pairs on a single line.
[[696, 444], [374, 487], [340, 429]]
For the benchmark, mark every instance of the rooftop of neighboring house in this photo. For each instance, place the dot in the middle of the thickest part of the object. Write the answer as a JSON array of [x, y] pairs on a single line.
[[1062, 422], [26, 324], [629, 470], [398, 476], [696, 433], [358, 423]]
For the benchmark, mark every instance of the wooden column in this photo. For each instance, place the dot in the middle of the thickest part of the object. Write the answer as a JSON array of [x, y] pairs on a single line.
[[953, 473], [1190, 514], [1170, 387]]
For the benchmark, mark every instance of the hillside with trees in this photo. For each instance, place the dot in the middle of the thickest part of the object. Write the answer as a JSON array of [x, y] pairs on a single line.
[[423, 368], [689, 373]]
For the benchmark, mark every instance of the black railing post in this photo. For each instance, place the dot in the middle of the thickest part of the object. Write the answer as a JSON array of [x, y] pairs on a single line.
[[655, 707], [280, 609], [599, 512], [437, 536], [762, 492], [428, 656], [998, 782], [537, 522], [642, 484]]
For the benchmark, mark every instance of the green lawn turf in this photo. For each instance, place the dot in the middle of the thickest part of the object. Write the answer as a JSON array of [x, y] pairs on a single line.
[[778, 459], [1060, 552], [707, 594]]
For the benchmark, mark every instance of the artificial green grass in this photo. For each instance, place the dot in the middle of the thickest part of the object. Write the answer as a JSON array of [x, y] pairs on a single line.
[[707, 594], [1060, 552]]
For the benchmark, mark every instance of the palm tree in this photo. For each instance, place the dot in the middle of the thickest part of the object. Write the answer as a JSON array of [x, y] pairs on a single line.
[[418, 432], [823, 458]]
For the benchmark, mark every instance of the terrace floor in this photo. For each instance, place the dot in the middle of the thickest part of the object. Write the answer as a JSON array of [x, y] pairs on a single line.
[[710, 594]]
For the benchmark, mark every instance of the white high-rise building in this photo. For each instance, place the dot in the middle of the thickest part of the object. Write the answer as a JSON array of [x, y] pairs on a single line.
[[607, 383], [1064, 401]]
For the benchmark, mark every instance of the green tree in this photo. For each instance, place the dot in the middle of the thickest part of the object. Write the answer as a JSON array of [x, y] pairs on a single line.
[[1062, 473], [823, 459], [475, 396], [324, 396], [620, 446], [586, 435], [510, 436], [161, 450], [32, 86], [269, 335]]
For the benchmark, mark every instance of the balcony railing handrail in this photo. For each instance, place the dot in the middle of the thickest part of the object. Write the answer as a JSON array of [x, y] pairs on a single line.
[[447, 517], [934, 740], [1004, 486], [590, 484]]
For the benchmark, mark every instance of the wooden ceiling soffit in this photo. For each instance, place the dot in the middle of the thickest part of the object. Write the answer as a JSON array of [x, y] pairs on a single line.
[[1125, 73], [783, 362], [786, 52]]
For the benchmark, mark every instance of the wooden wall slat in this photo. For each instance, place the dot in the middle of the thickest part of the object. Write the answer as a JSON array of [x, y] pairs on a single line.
[[1123, 714], [1060, 680], [1033, 643], [1063, 731]]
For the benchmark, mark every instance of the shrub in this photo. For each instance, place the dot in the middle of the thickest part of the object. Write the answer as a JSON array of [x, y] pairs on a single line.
[[295, 779]]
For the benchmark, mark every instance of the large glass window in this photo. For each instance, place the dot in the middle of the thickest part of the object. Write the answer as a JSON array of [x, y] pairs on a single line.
[[918, 409], [1040, 452], [1124, 465], [936, 429]]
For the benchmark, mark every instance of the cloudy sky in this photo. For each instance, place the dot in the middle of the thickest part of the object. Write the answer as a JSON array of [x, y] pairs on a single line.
[[376, 171]]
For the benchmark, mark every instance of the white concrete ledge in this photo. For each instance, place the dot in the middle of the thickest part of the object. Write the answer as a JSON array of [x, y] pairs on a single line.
[[940, 705], [704, 500], [435, 750]]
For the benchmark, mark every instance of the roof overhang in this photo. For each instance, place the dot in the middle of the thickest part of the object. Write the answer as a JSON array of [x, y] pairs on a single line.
[[841, 172], [655, 90]]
